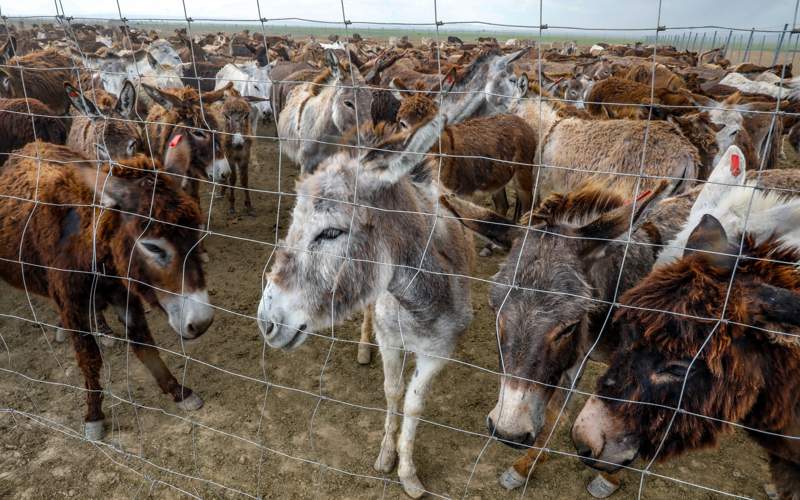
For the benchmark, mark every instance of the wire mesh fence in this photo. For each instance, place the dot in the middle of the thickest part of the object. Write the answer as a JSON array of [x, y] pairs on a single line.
[[316, 199]]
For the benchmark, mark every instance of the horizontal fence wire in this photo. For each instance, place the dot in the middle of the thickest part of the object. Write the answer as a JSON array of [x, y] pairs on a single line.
[[120, 457]]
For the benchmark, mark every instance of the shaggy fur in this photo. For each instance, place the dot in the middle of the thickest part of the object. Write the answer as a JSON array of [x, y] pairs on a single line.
[[608, 98], [66, 232], [233, 113], [665, 79], [17, 125], [40, 75]]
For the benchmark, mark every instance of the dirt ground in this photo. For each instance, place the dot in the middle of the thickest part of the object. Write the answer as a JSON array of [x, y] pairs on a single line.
[[264, 430]]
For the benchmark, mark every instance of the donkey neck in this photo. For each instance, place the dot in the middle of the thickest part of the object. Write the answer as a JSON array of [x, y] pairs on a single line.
[[540, 114]]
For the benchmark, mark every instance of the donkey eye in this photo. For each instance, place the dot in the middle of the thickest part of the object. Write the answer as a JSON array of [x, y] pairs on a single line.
[[330, 233], [349, 104], [157, 252], [567, 332], [403, 124], [675, 369]]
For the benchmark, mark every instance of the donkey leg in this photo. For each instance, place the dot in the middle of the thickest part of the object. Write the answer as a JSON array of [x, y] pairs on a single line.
[[500, 200], [427, 368], [393, 388], [364, 348], [245, 173], [231, 190], [143, 346], [90, 362], [517, 475]]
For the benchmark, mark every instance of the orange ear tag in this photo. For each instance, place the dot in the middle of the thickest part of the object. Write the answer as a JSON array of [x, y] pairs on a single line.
[[175, 140]]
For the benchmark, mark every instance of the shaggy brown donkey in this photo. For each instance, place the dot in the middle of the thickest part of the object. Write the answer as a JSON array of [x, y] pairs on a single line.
[[737, 370], [142, 230]]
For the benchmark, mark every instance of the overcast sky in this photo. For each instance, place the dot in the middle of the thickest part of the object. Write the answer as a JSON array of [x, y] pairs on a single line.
[[581, 13]]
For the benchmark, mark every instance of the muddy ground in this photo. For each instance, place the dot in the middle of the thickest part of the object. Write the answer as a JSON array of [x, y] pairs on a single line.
[[264, 430]]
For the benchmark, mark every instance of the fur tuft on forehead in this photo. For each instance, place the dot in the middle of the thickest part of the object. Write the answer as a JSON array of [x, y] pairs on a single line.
[[578, 207]]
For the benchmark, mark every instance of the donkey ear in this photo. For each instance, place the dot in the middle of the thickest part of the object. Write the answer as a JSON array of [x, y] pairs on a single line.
[[729, 172], [449, 81], [399, 90], [614, 224], [710, 238], [216, 95], [506, 60], [164, 99], [484, 222], [522, 84], [9, 49], [152, 60], [332, 62], [83, 104], [126, 100]]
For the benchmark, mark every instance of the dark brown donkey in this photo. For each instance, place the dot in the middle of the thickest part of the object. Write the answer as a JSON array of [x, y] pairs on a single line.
[[152, 258], [736, 367]]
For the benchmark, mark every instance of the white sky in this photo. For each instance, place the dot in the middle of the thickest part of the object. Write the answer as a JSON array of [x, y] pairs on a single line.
[[581, 13]]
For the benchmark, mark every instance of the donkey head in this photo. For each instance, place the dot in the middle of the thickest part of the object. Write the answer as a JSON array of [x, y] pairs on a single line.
[[352, 100], [730, 371], [157, 244], [313, 282], [191, 148], [115, 134], [502, 84], [569, 262]]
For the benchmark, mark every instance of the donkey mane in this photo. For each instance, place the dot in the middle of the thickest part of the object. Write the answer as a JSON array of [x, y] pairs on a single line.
[[577, 207], [478, 62], [695, 286]]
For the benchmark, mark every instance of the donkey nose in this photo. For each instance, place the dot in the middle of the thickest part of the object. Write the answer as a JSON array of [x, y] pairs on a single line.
[[268, 327], [490, 424], [198, 327], [583, 451]]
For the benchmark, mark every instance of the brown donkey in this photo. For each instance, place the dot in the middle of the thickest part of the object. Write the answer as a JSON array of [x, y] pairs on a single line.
[[736, 367], [104, 131], [479, 154], [182, 132], [48, 250]]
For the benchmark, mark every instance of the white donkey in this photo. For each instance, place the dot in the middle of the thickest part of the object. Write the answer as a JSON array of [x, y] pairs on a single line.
[[339, 256], [729, 197]]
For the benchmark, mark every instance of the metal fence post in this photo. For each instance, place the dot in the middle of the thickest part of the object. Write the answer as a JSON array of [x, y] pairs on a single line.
[[746, 56], [727, 44], [780, 44]]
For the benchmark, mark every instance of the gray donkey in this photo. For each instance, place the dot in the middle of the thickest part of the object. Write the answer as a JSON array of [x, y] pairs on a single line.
[[339, 257]]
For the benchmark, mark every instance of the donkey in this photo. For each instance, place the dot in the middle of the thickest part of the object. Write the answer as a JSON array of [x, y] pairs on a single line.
[[143, 259], [480, 154], [24, 120], [105, 134], [182, 135], [569, 303], [575, 148], [233, 112], [736, 367], [424, 313], [316, 113], [40, 75]]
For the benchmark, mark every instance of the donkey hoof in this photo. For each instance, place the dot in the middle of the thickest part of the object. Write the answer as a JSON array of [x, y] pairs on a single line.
[[511, 479], [386, 461], [364, 354], [191, 403], [61, 335], [413, 486], [93, 431], [601, 486], [485, 252], [204, 258]]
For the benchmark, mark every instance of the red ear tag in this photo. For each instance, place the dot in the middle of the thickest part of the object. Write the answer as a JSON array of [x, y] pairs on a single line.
[[735, 169], [641, 196], [73, 94], [175, 140]]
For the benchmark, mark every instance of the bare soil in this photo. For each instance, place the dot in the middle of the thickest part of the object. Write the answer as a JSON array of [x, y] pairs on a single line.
[[264, 430]]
